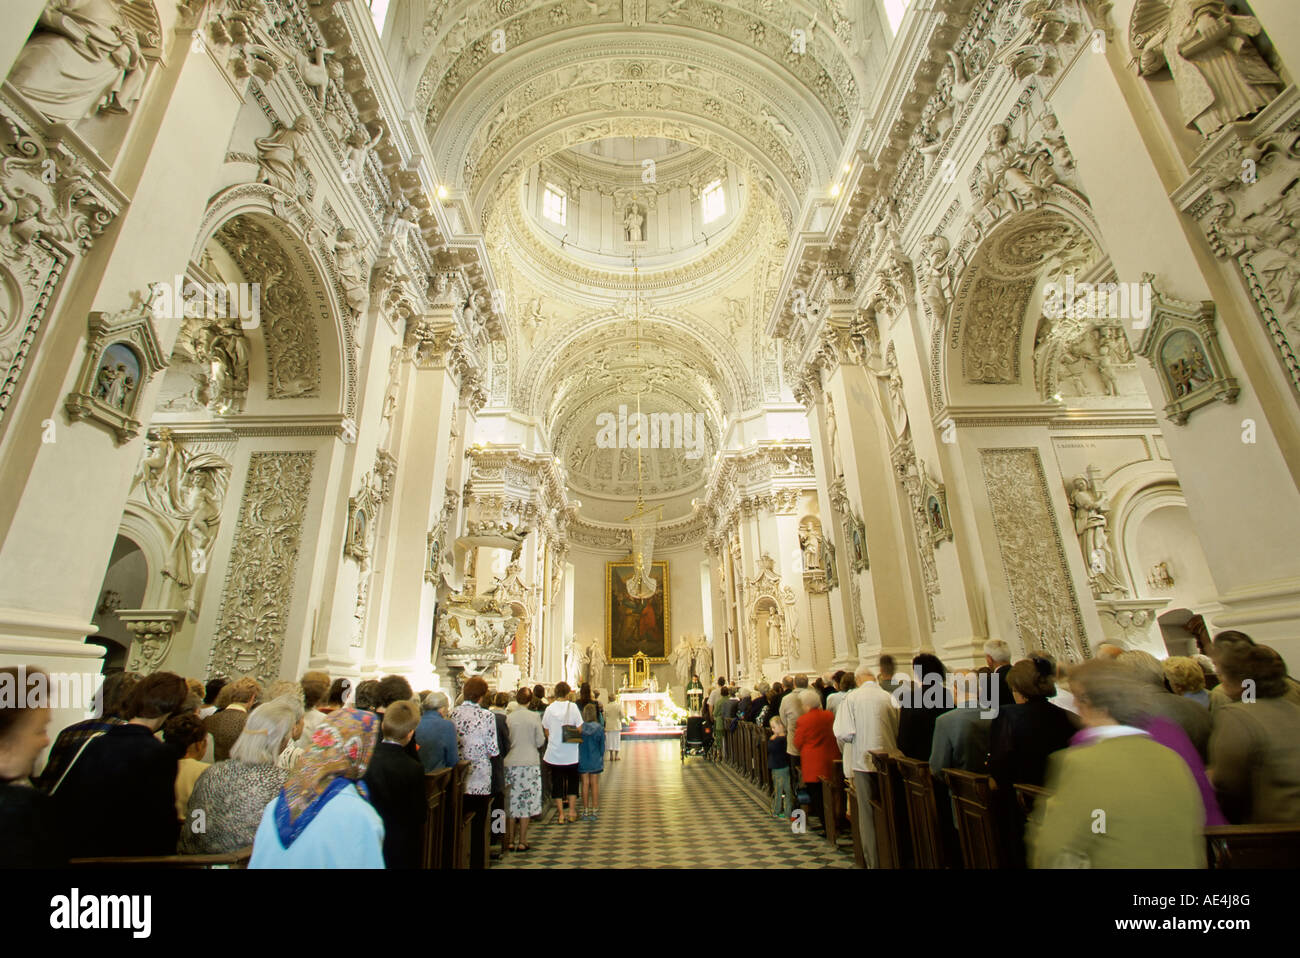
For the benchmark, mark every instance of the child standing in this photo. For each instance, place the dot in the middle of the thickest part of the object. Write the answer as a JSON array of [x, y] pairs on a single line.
[[591, 761], [778, 762]]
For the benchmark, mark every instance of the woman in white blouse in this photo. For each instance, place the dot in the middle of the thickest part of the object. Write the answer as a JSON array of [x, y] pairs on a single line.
[[562, 757]]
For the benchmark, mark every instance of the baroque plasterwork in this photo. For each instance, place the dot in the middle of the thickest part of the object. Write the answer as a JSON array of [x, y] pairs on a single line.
[[469, 50], [258, 594], [1042, 596]]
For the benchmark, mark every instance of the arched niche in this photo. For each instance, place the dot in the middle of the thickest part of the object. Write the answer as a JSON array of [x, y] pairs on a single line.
[[1155, 527], [984, 353], [126, 583], [301, 352]]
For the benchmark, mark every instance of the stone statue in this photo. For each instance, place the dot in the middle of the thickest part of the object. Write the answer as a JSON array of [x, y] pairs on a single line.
[[349, 260], [279, 154], [596, 664], [633, 224], [200, 500], [833, 439], [935, 250], [681, 660], [227, 355], [773, 634], [359, 148], [1090, 504], [810, 543], [897, 404], [83, 58], [704, 662], [1013, 177], [1218, 73]]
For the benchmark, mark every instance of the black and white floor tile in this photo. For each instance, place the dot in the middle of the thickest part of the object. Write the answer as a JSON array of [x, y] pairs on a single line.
[[656, 812]]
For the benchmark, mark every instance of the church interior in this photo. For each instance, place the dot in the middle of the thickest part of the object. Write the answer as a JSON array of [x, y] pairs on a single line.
[[657, 347]]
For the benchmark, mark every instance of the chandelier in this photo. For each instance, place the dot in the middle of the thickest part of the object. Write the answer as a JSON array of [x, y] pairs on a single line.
[[642, 523]]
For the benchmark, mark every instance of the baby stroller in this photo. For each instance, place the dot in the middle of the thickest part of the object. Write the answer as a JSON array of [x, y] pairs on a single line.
[[698, 738]]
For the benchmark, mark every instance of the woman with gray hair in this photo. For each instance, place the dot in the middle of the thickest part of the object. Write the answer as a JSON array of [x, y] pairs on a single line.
[[228, 800]]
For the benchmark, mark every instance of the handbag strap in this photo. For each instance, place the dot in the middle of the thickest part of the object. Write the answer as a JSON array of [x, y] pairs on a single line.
[[90, 739]]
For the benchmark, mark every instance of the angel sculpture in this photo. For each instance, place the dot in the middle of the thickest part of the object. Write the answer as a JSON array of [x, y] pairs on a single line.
[[1210, 52]]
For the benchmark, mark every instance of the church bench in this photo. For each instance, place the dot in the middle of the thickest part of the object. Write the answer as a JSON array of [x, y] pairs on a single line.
[[456, 838], [1253, 846], [855, 825], [237, 859], [893, 835], [437, 787], [977, 821], [922, 813]]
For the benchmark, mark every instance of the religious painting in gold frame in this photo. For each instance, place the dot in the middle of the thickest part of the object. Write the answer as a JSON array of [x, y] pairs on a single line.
[[636, 625]]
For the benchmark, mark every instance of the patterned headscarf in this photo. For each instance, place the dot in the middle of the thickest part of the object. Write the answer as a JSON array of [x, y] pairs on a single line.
[[340, 752]]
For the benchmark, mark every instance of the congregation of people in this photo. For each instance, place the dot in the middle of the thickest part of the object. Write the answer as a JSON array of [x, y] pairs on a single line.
[[307, 774], [1164, 749]]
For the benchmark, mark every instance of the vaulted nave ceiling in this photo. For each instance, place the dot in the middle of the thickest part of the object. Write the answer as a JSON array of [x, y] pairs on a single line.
[[579, 99]]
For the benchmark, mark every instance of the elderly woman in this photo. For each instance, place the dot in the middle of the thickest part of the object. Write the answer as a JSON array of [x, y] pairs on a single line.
[[30, 834], [523, 764], [1185, 677], [321, 818], [1153, 815], [291, 756], [476, 729], [814, 736], [229, 798]]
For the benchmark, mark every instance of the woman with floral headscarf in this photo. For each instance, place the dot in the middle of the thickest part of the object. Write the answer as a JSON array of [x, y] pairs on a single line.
[[323, 817]]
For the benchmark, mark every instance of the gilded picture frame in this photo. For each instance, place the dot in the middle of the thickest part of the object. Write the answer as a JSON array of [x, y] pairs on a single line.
[[634, 625]]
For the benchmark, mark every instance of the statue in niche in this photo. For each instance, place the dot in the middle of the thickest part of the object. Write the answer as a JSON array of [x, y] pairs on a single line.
[[349, 260], [1013, 177], [83, 58], [227, 355], [1090, 504], [810, 543], [634, 224], [773, 634], [1218, 72], [279, 154]]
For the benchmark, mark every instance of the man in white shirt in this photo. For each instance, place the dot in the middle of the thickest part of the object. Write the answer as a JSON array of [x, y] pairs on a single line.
[[867, 719], [714, 696]]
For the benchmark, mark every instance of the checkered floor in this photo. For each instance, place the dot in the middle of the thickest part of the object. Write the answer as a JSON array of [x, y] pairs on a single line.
[[656, 812]]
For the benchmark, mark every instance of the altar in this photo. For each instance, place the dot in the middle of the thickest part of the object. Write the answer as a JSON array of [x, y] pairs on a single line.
[[642, 706]]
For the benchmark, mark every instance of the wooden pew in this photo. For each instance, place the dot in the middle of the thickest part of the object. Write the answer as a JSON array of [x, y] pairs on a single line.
[[893, 831], [855, 825], [1253, 846], [1027, 795], [923, 814], [834, 803], [437, 789], [237, 859], [455, 849], [977, 826]]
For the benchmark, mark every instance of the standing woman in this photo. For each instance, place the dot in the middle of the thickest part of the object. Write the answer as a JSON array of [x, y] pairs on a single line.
[[591, 760], [322, 817], [523, 765], [30, 833], [562, 756]]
